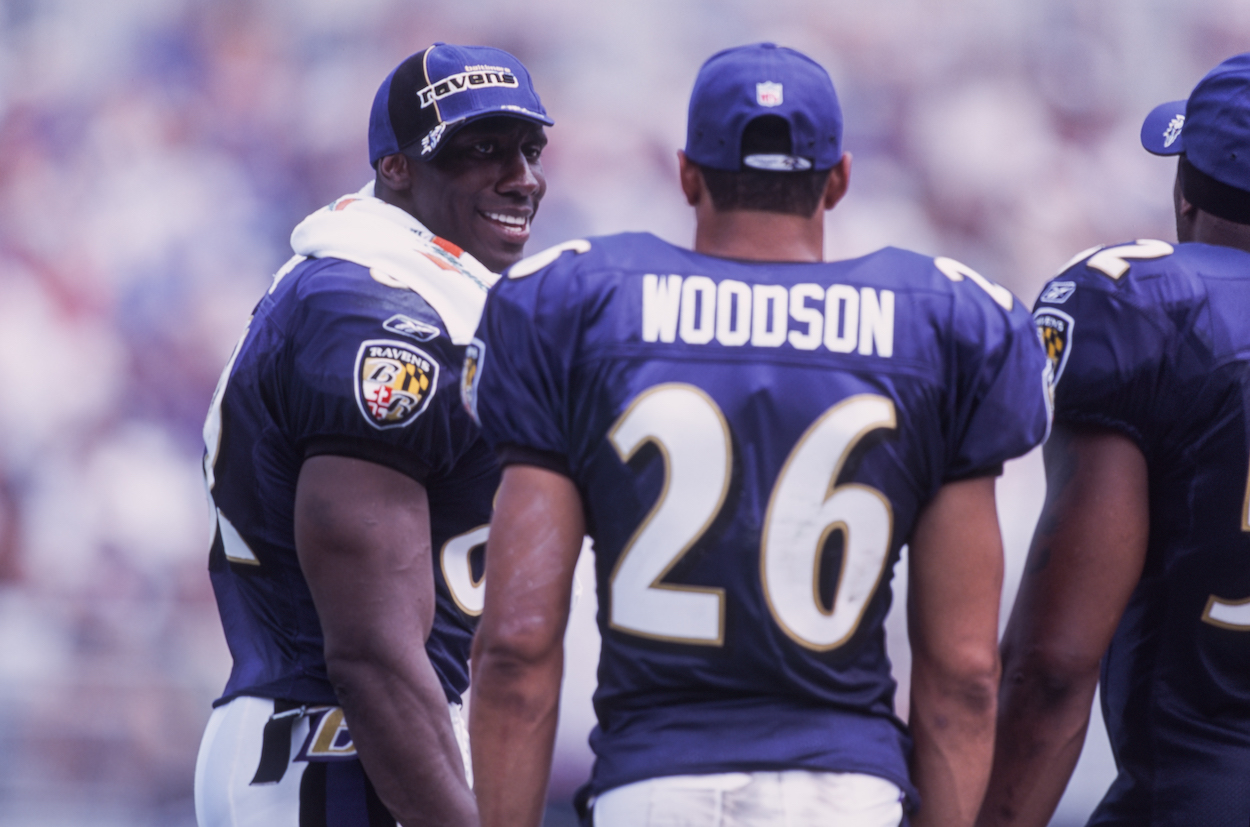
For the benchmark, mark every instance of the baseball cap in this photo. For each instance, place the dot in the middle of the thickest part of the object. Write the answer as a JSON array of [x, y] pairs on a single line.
[[437, 91], [736, 86], [1210, 130]]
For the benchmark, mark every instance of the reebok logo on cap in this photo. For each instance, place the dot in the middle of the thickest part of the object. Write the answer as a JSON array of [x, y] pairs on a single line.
[[1173, 131], [1210, 130]]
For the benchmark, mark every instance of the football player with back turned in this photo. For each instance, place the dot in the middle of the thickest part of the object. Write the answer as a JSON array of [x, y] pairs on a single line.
[[750, 435], [349, 486], [1139, 560]]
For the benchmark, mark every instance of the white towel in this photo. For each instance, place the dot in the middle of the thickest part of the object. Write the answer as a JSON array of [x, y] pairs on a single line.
[[400, 252]]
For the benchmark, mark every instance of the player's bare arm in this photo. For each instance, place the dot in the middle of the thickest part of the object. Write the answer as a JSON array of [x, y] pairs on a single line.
[[1084, 562], [518, 653], [719, 455], [363, 538], [956, 573]]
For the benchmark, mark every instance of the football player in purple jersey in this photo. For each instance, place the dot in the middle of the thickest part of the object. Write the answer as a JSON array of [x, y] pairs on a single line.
[[350, 490], [750, 435], [1139, 561]]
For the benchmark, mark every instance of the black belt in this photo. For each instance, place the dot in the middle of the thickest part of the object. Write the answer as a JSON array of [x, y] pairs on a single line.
[[275, 750]]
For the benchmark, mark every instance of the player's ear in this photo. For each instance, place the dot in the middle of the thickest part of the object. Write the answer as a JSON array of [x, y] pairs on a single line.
[[1186, 214], [1185, 208], [839, 180], [395, 171], [691, 179]]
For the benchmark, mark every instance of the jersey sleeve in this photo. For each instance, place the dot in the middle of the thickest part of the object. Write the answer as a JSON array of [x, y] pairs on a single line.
[[1002, 401], [351, 384], [524, 350], [1107, 354]]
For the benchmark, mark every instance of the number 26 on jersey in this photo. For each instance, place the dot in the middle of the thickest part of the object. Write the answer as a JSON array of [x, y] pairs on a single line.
[[805, 508]]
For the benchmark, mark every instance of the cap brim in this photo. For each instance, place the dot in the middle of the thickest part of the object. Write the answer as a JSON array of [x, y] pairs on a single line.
[[452, 127], [1161, 131]]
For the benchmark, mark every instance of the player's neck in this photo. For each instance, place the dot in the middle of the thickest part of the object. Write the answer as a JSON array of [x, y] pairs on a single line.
[[1198, 225], [1209, 229], [754, 235]]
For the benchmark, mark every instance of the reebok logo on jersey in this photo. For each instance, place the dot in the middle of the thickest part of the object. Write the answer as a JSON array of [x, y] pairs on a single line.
[[408, 326], [696, 309], [1058, 292], [394, 382], [1054, 327]]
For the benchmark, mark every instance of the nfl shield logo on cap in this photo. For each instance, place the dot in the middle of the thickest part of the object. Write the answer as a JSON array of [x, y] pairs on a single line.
[[736, 86], [768, 93]]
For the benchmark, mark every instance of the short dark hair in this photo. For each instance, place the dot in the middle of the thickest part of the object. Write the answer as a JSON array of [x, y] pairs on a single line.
[[792, 193]]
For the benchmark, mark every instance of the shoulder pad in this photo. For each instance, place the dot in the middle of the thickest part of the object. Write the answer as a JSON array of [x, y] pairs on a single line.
[[957, 271], [532, 264], [1113, 262]]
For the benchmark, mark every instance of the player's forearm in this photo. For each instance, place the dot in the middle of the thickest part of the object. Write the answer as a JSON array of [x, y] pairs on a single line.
[[1084, 562], [518, 651], [399, 720], [1042, 719], [513, 727], [952, 724], [952, 620]]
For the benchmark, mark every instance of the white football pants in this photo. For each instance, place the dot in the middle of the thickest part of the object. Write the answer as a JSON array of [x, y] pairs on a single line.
[[230, 753], [791, 798]]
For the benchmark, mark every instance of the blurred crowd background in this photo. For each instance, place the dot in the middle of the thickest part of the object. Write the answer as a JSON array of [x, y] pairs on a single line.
[[155, 154]]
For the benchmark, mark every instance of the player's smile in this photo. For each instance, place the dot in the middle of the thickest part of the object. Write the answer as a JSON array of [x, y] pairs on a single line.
[[483, 188], [514, 228]]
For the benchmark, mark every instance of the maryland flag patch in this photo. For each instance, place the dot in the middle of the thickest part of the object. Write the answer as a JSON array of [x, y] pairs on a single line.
[[474, 356], [394, 382], [1054, 327]]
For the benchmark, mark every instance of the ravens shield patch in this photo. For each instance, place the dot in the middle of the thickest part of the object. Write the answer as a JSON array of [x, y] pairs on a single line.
[[394, 382], [1054, 327]]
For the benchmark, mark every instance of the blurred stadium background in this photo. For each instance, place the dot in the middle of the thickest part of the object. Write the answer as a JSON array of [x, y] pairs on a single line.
[[154, 155]]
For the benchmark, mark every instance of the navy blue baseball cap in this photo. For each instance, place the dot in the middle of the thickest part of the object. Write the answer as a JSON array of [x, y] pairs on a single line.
[[736, 86], [433, 93], [1210, 130]]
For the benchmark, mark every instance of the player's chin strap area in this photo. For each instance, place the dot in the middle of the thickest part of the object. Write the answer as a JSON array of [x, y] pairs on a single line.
[[275, 751]]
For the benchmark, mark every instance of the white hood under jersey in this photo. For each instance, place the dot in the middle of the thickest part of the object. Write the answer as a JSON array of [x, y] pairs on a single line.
[[399, 252]]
